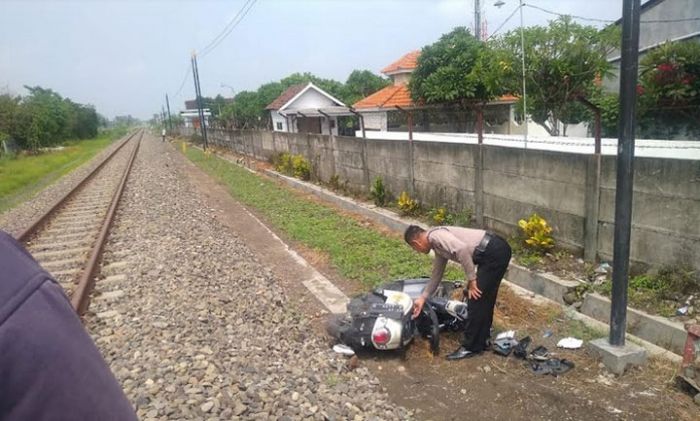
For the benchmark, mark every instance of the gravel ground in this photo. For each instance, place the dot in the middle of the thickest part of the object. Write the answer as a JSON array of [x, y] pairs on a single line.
[[19, 217], [195, 327]]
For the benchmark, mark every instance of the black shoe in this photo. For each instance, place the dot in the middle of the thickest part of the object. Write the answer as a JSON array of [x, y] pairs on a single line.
[[461, 353]]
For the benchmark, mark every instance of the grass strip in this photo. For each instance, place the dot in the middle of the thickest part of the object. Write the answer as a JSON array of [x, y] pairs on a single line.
[[23, 176], [358, 253]]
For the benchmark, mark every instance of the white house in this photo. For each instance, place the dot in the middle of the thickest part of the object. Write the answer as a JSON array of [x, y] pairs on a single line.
[[191, 114], [306, 108]]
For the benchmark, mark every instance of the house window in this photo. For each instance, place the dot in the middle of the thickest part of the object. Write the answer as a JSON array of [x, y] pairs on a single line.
[[279, 125]]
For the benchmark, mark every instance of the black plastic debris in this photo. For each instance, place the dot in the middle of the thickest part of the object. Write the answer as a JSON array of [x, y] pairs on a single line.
[[540, 354], [504, 346], [553, 366], [520, 350]]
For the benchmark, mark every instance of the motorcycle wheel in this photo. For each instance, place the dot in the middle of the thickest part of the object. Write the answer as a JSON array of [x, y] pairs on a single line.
[[429, 327]]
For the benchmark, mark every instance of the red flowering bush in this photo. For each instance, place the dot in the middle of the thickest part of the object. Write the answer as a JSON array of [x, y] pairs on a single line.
[[669, 91], [671, 75]]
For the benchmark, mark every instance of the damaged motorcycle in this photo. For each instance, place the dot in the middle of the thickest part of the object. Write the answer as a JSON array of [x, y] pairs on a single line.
[[382, 319]]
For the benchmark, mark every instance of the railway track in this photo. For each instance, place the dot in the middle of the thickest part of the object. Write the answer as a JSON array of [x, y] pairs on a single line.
[[68, 239]]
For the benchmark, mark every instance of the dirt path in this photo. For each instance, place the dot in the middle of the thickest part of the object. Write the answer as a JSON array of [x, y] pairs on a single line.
[[490, 386]]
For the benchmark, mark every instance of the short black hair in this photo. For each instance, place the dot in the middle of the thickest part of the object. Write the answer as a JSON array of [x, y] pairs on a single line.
[[412, 232]]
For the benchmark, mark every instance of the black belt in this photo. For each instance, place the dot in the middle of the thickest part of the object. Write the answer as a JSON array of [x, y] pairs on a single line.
[[481, 248]]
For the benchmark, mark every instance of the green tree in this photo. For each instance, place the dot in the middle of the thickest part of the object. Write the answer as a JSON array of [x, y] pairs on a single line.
[[9, 107], [563, 61], [360, 84], [43, 119], [331, 86], [244, 111], [458, 69]]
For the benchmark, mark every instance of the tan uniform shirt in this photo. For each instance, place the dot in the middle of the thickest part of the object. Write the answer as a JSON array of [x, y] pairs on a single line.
[[456, 244]]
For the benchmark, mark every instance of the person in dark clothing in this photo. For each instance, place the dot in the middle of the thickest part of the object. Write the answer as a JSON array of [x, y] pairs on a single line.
[[472, 249], [49, 367]]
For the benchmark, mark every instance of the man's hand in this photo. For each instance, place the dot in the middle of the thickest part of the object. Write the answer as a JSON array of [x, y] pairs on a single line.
[[473, 291], [418, 304]]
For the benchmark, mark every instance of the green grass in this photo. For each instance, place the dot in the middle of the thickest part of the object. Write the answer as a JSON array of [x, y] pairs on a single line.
[[357, 252], [24, 175], [580, 330], [655, 291]]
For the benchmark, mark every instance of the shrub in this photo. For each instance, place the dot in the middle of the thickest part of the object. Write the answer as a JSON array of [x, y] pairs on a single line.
[[438, 216], [408, 206], [536, 233], [378, 192], [275, 158], [679, 277], [334, 182], [284, 163], [463, 218], [301, 168]]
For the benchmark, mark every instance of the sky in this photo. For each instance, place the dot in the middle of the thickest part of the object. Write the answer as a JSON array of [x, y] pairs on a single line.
[[123, 56]]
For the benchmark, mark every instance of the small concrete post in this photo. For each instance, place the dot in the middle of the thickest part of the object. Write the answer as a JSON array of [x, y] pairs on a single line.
[[592, 208], [411, 169], [479, 185], [365, 166]]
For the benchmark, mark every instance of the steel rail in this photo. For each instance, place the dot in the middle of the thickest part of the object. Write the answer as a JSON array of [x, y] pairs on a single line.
[[81, 293], [23, 237]]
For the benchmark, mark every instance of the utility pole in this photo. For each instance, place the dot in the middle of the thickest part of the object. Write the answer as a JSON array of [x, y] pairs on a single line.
[[477, 19], [522, 48], [198, 93], [170, 120], [625, 169]]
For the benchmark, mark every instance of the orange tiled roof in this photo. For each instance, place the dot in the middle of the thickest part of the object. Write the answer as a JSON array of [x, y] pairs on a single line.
[[507, 98], [400, 95], [407, 62], [388, 97]]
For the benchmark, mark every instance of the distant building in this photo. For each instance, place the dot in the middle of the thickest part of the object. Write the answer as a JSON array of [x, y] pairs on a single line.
[[306, 108], [388, 108], [191, 114], [660, 21]]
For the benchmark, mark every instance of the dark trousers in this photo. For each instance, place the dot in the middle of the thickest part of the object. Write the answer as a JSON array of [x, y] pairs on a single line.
[[491, 266]]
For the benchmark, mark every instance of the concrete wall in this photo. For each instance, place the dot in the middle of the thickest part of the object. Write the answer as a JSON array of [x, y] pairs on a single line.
[[516, 183], [666, 211]]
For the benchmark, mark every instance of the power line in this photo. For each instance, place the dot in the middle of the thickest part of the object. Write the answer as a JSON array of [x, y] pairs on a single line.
[[233, 23], [226, 27], [504, 22], [230, 26], [551, 12], [184, 80]]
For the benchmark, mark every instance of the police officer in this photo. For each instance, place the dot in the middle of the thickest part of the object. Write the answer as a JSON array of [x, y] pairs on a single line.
[[484, 257]]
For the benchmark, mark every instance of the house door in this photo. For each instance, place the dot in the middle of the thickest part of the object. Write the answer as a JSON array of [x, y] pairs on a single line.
[[309, 124]]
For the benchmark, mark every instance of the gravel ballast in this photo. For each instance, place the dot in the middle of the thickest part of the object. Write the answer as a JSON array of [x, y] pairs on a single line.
[[14, 220], [195, 327]]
